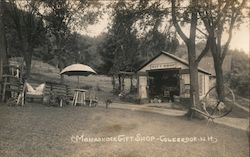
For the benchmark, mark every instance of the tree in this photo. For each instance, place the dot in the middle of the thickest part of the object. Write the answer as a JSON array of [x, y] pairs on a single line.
[[25, 23], [62, 17], [155, 42], [190, 16], [220, 18], [120, 48], [153, 14], [87, 47], [57, 28], [155, 29], [3, 58], [135, 36], [239, 76]]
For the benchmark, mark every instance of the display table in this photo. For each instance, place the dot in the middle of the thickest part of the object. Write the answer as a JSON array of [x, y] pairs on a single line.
[[79, 97]]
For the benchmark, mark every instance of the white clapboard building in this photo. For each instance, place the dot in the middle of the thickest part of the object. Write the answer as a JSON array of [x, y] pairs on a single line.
[[166, 76]]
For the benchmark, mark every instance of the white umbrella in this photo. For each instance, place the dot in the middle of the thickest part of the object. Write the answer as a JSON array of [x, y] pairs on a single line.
[[77, 70]]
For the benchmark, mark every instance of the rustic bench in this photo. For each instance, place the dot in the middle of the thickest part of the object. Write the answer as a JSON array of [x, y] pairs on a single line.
[[58, 93]]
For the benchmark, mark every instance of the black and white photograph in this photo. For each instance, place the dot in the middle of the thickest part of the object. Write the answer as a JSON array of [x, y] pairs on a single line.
[[124, 78]]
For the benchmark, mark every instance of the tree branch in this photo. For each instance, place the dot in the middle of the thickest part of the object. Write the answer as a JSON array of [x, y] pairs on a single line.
[[175, 22], [225, 49], [233, 20], [201, 32], [221, 12], [206, 21], [204, 51]]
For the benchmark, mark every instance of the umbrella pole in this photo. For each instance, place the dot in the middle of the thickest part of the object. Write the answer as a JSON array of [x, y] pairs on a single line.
[[78, 82]]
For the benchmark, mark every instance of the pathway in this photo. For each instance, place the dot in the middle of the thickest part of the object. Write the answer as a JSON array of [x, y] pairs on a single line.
[[239, 123]]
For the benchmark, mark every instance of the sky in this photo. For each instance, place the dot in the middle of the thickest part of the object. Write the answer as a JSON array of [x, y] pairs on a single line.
[[240, 39]]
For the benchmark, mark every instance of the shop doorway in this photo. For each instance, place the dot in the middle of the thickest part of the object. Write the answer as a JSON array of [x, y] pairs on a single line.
[[164, 84]]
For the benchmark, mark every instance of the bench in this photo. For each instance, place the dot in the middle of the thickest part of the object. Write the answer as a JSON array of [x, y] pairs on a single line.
[[57, 93], [30, 96], [53, 94]]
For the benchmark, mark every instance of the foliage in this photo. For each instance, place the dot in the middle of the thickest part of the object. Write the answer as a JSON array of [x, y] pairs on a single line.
[[187, 13], [239, 76], [24, 29], [61, 17], [120, 48], [220, 18], [135, 36]]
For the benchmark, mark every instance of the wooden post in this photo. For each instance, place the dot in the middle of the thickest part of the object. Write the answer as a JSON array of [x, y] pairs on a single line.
[[131, 83], [123, 84], [78, 80], [76, 98], [61, 102], [113, 82]]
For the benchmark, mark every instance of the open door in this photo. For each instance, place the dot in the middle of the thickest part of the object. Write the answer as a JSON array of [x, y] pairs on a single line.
[[164, 84]]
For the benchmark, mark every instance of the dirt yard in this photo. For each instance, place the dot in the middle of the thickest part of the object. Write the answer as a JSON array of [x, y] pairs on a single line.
[[40, 131]]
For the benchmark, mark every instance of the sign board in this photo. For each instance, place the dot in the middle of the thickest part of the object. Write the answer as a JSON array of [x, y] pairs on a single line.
[[142, 87], [163, 65], [143, 80]]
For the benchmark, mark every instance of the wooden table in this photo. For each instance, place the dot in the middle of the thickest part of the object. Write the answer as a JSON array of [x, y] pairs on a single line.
[[79, 97]]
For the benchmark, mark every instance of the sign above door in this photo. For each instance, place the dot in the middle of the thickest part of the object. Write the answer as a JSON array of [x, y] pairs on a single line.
[[163, 65]]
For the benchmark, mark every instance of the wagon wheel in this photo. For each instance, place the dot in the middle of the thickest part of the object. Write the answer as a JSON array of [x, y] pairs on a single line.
[[215, 108]]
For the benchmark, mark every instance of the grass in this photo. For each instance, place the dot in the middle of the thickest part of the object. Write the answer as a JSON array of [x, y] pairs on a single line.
[[42, 72], [36, 130]]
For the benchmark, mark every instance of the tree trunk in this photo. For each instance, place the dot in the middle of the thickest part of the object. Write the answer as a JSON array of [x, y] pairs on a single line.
[[194, 86], [113, 82], [216, 51], [120, 83], [194, 89], [3, 59], [193, 66], [3, 47], [1, 66], [61, 65], [123, 84], [28, 61], [194, 83], [61, 76], [219, 79], [27, 49]]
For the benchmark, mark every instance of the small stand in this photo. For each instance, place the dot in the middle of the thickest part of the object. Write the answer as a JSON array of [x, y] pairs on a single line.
[[79, 97]]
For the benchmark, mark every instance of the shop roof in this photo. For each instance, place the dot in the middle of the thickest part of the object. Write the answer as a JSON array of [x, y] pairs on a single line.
[[175, 58]]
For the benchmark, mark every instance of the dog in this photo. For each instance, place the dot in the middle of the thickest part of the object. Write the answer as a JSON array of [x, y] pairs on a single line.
[[108, 103]]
